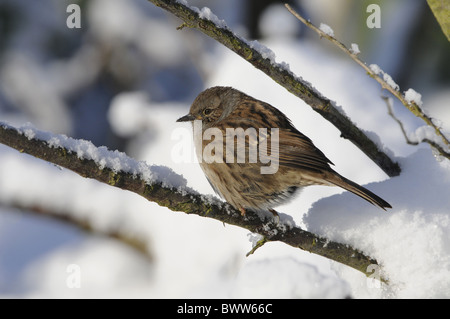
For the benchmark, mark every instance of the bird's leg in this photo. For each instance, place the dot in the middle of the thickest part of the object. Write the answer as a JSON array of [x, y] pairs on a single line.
[[242, 210], [275, 214]]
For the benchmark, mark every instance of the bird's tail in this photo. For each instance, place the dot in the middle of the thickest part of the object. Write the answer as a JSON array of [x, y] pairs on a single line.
[[356, 189]]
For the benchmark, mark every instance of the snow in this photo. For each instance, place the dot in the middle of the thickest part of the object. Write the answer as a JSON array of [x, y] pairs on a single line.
[[375, 69], [386, 77], [354, 48], [205, 13], [114, 160], [267, 53], [428, 133], [411, 240], [413, 96], [326, 29], [292, 278], [192, 257]]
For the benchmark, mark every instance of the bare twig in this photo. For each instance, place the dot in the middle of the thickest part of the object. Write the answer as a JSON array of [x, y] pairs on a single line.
[[131, 240], [386, 84], [257, 245], [280, 74], [433, 144], [391, 114], [187, 201]]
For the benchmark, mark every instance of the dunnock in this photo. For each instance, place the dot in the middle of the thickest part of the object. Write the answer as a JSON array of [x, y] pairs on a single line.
[[296, 160]]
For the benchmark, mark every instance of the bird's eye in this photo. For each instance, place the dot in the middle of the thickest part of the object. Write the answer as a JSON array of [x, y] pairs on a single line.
[[207, 111]]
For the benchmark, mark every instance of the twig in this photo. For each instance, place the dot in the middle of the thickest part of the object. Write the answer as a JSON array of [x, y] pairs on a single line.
[[280, 74], [258, 244], [187, 201], [131, 240], [392, 88], [391, 114], [433, 144]]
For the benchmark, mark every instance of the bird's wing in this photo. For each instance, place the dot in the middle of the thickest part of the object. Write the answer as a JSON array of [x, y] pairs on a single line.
[[296, 150], [290, 149]]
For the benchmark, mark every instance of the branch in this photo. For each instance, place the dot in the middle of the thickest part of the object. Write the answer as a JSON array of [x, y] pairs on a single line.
[[400, 124], [163, 186], [442, 146], [262, 58], [133, 241]]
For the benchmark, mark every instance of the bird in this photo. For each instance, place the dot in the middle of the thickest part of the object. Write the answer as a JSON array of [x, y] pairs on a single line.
[[264, 129]]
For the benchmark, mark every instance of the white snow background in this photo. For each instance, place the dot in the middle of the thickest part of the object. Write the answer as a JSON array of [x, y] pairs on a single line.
[[193, 257]]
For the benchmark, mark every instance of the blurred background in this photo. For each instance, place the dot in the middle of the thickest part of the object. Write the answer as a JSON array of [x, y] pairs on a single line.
[[80, 81]]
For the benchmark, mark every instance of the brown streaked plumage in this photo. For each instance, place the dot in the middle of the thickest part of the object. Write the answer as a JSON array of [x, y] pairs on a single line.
[[243, 185]]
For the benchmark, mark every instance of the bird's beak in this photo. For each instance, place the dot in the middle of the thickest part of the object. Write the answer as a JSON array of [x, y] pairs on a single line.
[[186, 118]]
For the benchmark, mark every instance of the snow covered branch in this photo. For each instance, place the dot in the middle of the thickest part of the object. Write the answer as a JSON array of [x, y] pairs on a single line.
[[263, 59], [161, 185], [410, 99]]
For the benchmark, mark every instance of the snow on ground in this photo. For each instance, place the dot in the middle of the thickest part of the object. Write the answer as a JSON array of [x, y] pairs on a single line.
[[197, 257]]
